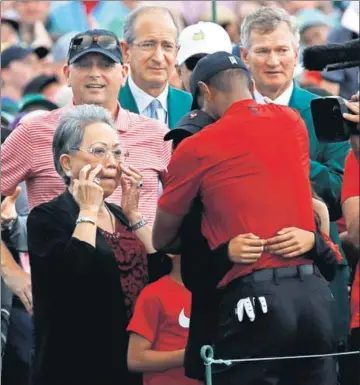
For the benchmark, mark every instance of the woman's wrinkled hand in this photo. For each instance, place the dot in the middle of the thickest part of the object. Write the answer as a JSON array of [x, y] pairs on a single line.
[[88, 194], [291, 242], [131, 183]]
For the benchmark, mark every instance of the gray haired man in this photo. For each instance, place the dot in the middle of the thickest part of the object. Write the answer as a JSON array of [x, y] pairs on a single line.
[[150, 48], [270, 40]]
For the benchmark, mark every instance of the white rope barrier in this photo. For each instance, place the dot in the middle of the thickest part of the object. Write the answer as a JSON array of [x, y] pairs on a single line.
[[207, 354], [229, 362]]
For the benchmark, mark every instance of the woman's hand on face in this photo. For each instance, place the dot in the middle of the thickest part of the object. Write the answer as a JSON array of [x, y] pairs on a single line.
[[131, 180], [88, 194], [291, 242]]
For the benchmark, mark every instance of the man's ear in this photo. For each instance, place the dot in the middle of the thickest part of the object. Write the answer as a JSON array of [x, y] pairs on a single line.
[[244, 55], [125, 48], [66, 71], [125, 71], [252, 87], [205, 91], [5, 76], [297, 50]]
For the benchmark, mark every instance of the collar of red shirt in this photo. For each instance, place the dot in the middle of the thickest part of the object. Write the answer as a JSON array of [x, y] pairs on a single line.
[[241, 104]]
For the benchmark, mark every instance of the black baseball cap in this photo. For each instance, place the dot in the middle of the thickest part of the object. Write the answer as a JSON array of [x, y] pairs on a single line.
[[19, 52], [14, 53], [95, 41], [37, 84], [211, 65], [189, 124], [12, 22]]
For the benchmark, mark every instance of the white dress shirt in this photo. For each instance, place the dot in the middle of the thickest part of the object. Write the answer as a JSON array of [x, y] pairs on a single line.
[[282, 100], [143, 101]]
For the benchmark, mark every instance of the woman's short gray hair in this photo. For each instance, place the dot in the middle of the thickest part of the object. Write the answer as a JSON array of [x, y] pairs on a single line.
[[70, 131], [266, 20], [129, 31]]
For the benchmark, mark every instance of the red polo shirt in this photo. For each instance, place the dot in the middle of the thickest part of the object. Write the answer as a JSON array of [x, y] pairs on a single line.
[[351, 188], [251, 169]]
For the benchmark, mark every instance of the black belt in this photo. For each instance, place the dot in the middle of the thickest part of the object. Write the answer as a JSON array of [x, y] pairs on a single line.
[[279, 272]]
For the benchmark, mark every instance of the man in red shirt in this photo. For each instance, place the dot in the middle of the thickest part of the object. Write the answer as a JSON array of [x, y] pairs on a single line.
[[350, 198], [251, 170]]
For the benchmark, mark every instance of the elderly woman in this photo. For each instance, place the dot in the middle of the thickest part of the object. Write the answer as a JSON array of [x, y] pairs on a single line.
[[89, 259]]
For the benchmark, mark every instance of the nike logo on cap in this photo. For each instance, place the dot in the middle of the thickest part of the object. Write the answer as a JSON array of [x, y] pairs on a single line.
[[184, 321]]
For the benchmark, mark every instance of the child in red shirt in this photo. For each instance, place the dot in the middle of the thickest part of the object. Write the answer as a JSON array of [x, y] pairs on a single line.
[[159, 331]]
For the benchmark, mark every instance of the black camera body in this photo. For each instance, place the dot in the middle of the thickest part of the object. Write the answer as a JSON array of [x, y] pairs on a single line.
[[330, 126]]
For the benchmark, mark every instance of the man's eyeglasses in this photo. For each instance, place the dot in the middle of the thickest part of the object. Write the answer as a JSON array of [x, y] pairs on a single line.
[[102, 152], [192, 61], [151, 46], [83, 42]]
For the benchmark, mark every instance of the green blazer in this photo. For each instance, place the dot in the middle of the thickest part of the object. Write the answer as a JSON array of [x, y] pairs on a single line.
[[326, 174], [327, 159], [179, 103]]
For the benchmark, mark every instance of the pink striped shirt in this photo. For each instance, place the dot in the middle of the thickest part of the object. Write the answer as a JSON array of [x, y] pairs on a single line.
[[27, 155]]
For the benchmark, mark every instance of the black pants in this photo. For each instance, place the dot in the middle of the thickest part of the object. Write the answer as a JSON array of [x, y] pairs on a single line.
[[16, 369], [298, 322], [351, 364]]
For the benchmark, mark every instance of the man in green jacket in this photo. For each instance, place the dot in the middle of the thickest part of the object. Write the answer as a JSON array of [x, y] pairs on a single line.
[[150, 48], [270, 49]]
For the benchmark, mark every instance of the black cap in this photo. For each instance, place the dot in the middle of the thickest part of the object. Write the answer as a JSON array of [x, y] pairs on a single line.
[[37, 84], [18, 52], [113, 53], [211, 65], [14, 53], [12, 22], [190, 124]]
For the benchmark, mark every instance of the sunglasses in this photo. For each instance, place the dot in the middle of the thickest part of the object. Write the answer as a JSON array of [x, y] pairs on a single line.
[[192, 61], [83, 42]]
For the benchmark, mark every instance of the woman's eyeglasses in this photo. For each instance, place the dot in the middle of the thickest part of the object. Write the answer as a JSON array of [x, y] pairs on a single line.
[[102, 153]]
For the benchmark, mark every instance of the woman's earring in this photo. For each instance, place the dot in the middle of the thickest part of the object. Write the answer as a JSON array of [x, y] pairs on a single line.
[[68, 174]]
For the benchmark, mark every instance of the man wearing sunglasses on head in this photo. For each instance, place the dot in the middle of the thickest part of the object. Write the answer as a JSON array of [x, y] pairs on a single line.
[[95, 73], [150, 48]]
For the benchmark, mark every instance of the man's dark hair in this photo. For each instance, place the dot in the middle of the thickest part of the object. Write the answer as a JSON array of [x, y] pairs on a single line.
[[224, 81]]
